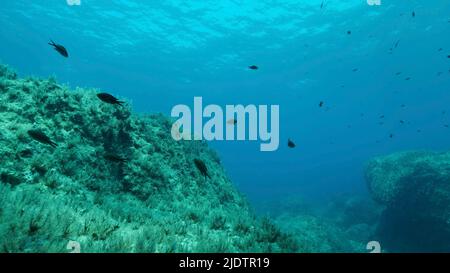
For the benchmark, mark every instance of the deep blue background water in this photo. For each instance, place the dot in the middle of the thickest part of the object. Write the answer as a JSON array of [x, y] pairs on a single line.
[[162, 53]]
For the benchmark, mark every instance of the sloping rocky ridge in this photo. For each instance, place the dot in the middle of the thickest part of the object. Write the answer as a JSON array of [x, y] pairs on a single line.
[[155, 201]]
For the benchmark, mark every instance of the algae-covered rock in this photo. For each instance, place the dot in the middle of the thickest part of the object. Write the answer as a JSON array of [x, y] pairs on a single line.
[[113, 181], [415, 189], [316, 235], [389, 176], [344, 225]]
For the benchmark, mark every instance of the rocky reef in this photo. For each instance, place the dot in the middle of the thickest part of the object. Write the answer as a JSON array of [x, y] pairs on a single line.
[[113, 181], [345, 224], [414, 188]]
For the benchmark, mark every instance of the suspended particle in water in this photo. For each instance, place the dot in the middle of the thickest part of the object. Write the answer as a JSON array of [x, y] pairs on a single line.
[[73, 2]]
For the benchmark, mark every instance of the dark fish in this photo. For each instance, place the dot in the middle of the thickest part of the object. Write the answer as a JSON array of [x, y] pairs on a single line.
[[349, 32], [253, 67], [446, 125], [201, 166], [232, 121], [413, 14], [448, 56], [291, 144], [321, 104], [403, 106], [398, 73], [440, 49], [391, 135], [394, 47], [105, 97], [402, 122], [355, 69], [382, 116], [41, 137], [407, 79], [114, 158], [61, 50]]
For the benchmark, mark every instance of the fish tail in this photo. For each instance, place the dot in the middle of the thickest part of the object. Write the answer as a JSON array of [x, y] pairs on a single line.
[[53, 144], [51, 43]]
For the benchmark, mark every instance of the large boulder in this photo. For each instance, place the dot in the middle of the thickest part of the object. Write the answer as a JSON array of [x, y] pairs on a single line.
[[414, 187]]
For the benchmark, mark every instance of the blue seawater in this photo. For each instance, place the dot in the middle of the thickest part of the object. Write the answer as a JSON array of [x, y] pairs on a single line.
[[382, 73]]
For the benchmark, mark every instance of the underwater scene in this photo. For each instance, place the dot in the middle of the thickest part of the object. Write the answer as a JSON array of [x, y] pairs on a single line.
[[228, 126]]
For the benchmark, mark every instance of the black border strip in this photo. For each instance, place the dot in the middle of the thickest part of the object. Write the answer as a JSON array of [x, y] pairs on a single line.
[[81, 262]]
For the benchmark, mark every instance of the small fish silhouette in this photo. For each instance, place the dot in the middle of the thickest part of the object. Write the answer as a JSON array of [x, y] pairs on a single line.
[[108, 98], [232, 121], [61, 49], [41, 137], [201, 166], [253, 67], [114, 158], [291, 144]]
